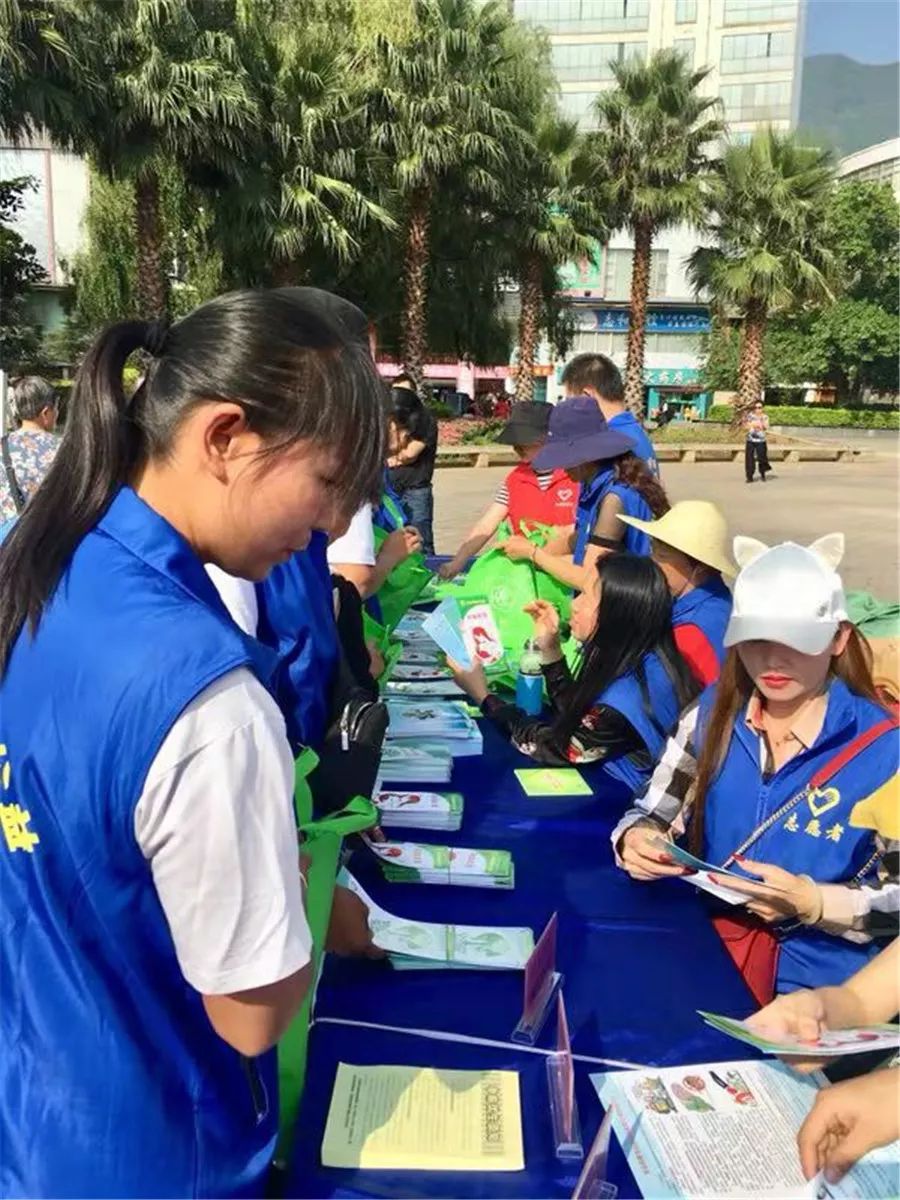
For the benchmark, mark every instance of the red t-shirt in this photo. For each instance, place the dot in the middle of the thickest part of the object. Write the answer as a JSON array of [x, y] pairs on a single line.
[[541, 498]]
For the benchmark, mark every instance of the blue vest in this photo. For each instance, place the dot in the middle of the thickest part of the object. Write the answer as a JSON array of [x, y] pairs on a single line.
[[708, 607], [653, 728], [113, 1082], [296, 620], [815, 838], [592, 496], [389, 514]]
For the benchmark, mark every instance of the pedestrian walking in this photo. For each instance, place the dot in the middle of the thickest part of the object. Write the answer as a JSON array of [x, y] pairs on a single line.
[[756, 449]]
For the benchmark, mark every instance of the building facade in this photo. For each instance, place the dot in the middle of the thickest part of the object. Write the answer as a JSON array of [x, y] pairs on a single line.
[[754, 50], [50, 217], [874, 164]]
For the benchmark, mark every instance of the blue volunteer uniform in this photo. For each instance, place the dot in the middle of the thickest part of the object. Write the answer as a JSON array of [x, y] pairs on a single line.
[[653, 716], [707, 607], [592, 495], [812, 836], [113, 1081], [627, 423], [296, 620]]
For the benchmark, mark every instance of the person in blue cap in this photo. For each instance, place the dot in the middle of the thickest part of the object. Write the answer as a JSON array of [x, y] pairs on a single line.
[[614, 482], [154, 943]]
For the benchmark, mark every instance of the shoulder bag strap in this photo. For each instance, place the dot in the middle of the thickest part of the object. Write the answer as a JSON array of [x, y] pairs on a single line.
[[18, 496], [861, 742]]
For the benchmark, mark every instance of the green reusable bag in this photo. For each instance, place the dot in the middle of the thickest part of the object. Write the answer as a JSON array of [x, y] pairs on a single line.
[[322, 844], [508, 586], [403, 586]]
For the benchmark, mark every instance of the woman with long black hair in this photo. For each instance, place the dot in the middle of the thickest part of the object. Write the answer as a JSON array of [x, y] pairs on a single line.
[[154, 942], [630, 685]]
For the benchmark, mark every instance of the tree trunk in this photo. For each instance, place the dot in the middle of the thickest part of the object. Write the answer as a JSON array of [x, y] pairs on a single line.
[[529, 318], [750, 366], [637, 328], [415, 286], [152, 284]]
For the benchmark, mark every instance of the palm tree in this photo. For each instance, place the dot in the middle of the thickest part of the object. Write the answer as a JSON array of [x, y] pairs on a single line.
[[171, 89], [309, 186], [42, 75], [434, 112], [771, 251], [555, 220], [651, 163]]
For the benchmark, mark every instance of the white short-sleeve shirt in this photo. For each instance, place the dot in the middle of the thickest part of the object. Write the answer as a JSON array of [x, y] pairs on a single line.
[[357, 546], [215, 821]]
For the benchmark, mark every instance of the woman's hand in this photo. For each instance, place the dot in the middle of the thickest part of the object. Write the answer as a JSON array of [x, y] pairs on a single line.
[[546, 625], [517, 548], [376, 659], [399, 545], [449, 570], [642, 858], [796, 1017], [781, 895], [348, 929], [472, 680], [847, 1121]]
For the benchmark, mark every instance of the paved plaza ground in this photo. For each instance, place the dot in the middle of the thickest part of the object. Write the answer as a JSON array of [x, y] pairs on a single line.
[[800, 501]]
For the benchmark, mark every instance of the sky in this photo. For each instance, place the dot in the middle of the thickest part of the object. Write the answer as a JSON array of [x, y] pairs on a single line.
[[867, 30]]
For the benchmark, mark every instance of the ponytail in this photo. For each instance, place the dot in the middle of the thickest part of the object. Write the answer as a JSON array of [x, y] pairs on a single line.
[[634, 472], [290, 357], [95, 457]]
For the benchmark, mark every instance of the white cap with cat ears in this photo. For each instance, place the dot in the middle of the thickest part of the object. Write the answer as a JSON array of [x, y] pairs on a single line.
[[788, 593]]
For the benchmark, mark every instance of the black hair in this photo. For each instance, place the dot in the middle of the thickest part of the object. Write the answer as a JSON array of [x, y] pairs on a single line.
[[407, 411], [31, 395], [294, 371], [597, 372], [634, 618]]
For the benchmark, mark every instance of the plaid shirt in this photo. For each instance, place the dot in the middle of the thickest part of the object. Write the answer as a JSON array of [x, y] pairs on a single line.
[[856, 911]]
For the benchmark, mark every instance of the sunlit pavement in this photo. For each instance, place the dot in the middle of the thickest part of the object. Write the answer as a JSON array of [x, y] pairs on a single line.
[[799, 501]]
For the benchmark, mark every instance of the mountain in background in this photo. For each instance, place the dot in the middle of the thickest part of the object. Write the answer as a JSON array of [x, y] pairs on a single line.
[[849, 105]]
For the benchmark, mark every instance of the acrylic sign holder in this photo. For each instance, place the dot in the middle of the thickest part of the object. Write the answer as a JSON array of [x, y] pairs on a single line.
[[542, 982], [561, 1087]]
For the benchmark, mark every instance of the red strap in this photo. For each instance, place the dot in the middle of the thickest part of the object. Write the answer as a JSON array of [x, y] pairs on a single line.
[[859, 743]]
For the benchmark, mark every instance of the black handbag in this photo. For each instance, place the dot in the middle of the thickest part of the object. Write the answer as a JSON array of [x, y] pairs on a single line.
[[350, 754]]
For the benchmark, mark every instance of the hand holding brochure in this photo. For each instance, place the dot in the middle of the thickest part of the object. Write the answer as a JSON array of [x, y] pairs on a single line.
[[418, 945], [701, 872], [443, 627], [831, 1043]]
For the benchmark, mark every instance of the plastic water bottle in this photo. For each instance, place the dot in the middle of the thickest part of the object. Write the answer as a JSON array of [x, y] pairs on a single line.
[[530, 680]]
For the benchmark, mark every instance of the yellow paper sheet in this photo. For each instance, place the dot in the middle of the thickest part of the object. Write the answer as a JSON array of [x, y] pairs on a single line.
[[416, 1118]]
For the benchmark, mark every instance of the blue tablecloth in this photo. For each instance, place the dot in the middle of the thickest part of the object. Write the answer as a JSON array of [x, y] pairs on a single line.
[[638, 961]]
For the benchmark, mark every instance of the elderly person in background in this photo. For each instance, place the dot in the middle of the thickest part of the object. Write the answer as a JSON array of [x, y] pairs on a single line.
[[28, 453]]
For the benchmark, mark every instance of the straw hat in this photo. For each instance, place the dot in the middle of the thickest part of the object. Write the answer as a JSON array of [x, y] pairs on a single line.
[[880, 811], [696, 528]]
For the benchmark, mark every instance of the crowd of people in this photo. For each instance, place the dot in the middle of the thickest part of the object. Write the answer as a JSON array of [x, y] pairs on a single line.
[[187, 602]]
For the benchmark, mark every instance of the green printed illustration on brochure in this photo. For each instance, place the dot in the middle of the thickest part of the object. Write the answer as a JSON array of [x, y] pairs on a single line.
[[552, 781]]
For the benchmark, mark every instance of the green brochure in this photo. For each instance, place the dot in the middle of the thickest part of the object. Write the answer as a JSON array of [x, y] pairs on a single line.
[[552, 781]]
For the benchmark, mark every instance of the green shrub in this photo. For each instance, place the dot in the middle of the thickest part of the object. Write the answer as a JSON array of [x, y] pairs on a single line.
[[482, 431], [822, 418]]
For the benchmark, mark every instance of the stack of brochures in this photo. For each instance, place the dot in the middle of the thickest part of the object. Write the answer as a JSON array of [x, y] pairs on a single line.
[[415, 862], [427, 945], [421, 810], [419, 722], [405, 762], [423, 688]]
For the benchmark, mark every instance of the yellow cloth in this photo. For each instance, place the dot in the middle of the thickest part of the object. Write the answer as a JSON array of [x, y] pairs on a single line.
[[880, 811], [402, 1118]]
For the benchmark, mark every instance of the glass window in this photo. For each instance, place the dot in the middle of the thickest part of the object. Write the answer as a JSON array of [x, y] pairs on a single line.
[[673, 343], [756, 52], [685, 46], [592, 60], [756, 12], [757, 101], [585, 16], [617, 284], [685, 11], [578, 106]]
